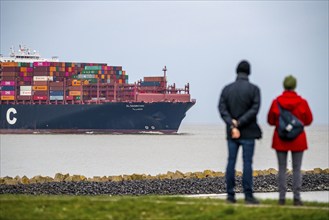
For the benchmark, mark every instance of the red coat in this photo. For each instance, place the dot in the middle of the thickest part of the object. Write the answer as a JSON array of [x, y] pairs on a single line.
[[299, 107]]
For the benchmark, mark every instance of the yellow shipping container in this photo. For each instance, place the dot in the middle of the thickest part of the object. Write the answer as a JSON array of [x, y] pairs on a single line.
[[23, 69], [51, 73], [40, 88], [103, 76], [74, 93], [7, 97], [52, 69], [76, 83], [120, 81]]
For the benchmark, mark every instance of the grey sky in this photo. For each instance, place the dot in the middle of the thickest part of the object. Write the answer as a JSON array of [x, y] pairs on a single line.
[[200, 42]]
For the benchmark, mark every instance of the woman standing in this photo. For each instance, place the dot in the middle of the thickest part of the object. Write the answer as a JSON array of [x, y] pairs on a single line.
[[299, 107]]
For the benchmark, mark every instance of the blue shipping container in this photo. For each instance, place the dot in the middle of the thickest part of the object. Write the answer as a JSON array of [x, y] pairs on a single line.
[[56, 93], [8, 88]]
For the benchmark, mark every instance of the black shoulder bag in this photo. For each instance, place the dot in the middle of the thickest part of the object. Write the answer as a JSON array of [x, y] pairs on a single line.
[[289, 125]]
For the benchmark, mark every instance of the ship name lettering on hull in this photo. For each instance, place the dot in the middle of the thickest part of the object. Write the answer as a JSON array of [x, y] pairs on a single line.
[[10, 120]]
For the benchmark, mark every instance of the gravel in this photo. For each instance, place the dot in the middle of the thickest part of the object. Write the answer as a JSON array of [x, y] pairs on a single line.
[[266, 183]]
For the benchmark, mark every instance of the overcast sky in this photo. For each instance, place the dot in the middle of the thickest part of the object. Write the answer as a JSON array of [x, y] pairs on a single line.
[[199, 42]]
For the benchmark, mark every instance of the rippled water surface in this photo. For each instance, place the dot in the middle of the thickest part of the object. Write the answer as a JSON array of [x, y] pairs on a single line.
[[195, 148]]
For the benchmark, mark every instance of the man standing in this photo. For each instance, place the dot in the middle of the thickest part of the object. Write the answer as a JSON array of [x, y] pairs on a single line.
[[238, 106]]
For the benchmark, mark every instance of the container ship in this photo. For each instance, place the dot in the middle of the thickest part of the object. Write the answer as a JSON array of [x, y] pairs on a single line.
[[48, 96]]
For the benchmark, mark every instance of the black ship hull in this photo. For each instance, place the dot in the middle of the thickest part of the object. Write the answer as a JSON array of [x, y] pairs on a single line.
[[121, 117]]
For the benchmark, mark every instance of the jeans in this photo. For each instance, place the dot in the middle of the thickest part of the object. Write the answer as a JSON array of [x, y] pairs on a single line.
[[297, 158], [248, 146]]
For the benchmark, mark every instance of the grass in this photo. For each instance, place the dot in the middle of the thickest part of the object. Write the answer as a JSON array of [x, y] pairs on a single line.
[[149, 207]]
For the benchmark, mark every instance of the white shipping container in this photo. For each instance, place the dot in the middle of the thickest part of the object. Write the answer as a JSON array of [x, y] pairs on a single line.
[[25, 88], [43, 78], [25, 93], [56, 97]]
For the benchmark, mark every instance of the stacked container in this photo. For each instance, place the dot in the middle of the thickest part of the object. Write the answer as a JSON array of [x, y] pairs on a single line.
[[59, 81], [8, 79], [56, 91]]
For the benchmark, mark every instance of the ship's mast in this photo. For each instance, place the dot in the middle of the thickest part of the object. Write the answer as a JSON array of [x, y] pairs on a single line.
[[165, 76]]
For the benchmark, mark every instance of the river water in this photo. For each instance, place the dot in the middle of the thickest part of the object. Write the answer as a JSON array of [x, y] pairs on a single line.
[[195, 148]]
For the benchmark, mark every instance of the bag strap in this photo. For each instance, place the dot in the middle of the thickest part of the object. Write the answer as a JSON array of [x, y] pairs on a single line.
[[280, 108]]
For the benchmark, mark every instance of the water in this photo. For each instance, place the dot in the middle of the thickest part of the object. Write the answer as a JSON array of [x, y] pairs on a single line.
[[195, 148]]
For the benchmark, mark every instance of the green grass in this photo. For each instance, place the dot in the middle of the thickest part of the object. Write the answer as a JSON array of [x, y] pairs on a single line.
[[149, 207]]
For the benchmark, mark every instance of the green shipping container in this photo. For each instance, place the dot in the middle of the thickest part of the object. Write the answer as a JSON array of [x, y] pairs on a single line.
[[89, 72], [93, 67]]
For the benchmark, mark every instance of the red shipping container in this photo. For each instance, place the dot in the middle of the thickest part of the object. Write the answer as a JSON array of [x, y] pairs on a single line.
[[27, 78], [40, 74], [8, 78], [5, 93], [19, 97], [9, 73], [56, 88], [35, 97], [7, 83], [10, 69], [41, 69], [25, 83], [69, 98], [40, 93], [40, 83], [56, 84]]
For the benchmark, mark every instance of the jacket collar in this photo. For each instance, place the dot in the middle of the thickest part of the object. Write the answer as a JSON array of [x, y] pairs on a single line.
[[242, 76]]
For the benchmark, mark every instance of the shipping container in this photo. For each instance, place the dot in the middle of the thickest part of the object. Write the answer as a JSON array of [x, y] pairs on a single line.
[[41, 64], [27, 78], [74, 93], [56, 93], [19, 97], [25, 93], [43, 78], [35, 97], [7, 83], [8, 98], [76, 83], [10, 69], [56, 84], [25, 88], [40, 93], [40, 73], [39, 88], [8, 88], [7, 93], [10, 74], [40, 83], [93, 67], [56, 88], [9, 64], [56, 98], [69, 98]]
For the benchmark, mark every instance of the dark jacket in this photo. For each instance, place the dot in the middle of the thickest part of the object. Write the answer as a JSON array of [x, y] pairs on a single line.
[[299, 107], [240, 100]]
